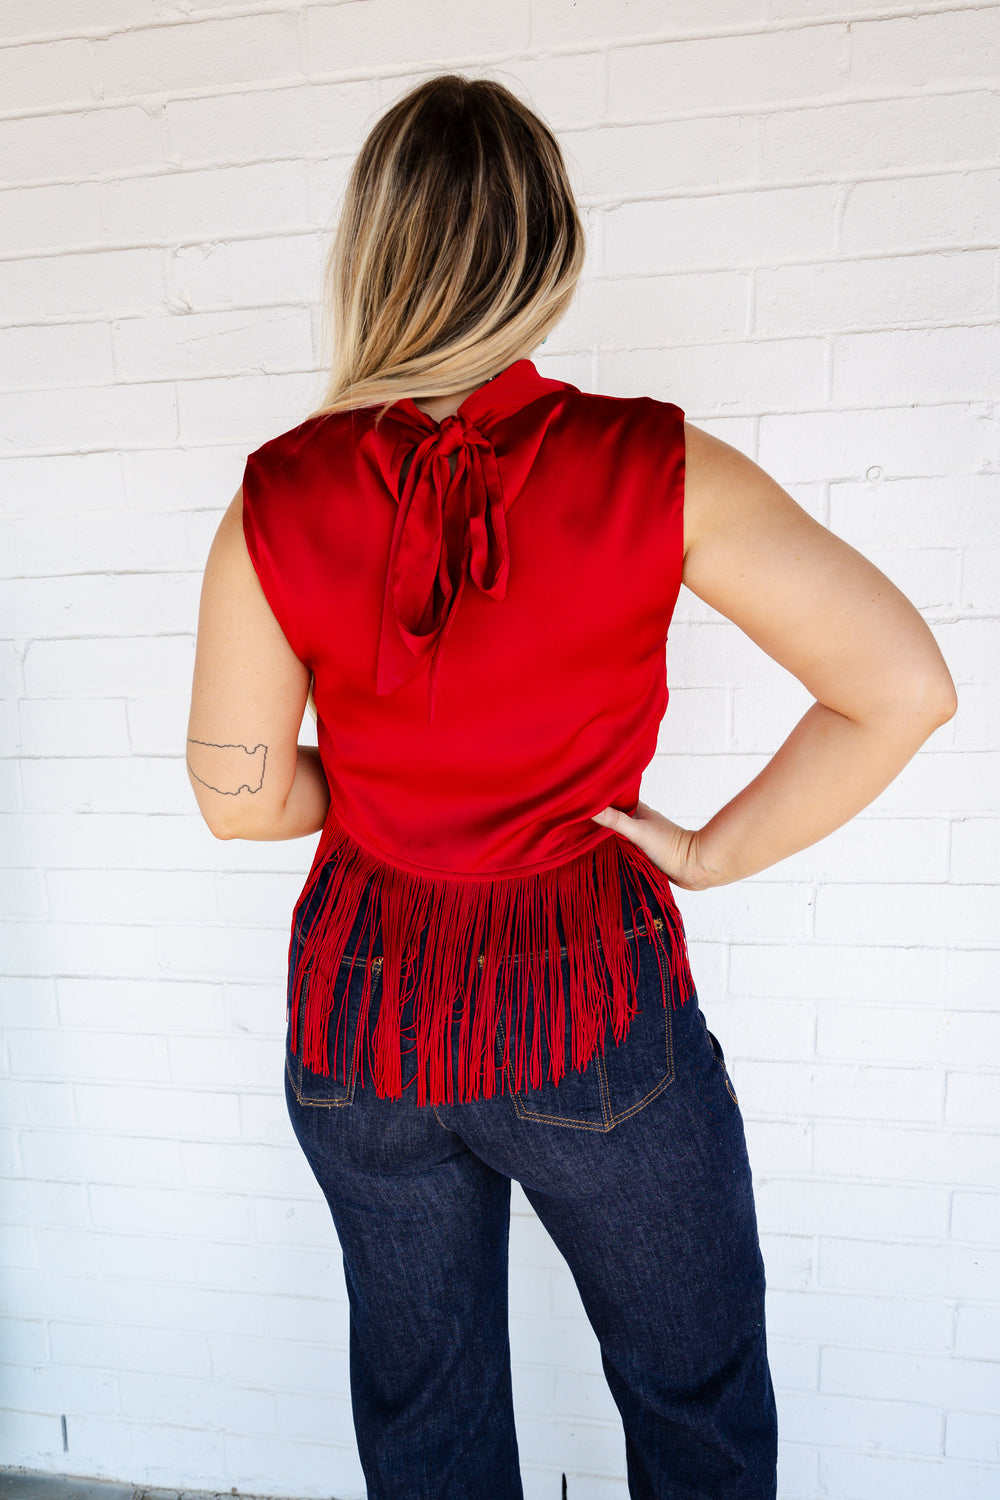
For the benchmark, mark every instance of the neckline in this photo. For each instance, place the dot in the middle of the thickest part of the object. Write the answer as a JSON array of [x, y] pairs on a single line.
[[504, 393]]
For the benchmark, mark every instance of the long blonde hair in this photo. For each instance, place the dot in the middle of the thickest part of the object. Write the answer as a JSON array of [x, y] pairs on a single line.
[[459, 246]]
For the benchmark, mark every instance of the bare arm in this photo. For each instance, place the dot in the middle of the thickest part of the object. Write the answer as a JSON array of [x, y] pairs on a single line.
[[828, 615], [250, 776]]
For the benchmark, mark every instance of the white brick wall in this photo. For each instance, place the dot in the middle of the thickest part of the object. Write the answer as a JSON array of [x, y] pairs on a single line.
[[793, 214]]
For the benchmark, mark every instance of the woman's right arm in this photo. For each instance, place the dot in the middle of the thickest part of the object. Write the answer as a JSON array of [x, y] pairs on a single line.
[[830, 617]]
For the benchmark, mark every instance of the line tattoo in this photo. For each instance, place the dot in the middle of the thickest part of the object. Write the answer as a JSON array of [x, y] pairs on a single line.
[[227, 773]]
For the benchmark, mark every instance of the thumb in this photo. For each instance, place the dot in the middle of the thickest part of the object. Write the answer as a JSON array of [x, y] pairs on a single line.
[[613, 817]]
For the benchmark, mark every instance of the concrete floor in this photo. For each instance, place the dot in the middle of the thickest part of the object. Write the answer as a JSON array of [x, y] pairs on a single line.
[[20, 1484]]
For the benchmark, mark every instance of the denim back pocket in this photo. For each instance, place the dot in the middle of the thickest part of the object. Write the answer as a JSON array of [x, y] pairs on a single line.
[[720, 1058], [337, 1088], [619, 1080]]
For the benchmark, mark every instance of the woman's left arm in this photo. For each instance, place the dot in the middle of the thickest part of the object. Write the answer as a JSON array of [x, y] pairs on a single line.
[[252, 778]]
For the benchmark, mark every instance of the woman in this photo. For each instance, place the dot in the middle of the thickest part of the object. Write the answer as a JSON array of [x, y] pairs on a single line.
[[473, 568]]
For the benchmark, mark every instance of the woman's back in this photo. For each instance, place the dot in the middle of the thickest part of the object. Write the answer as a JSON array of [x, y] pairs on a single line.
[[548, 690], [484, 606]]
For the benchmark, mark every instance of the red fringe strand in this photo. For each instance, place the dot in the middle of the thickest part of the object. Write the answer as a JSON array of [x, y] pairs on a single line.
[[491, 917]]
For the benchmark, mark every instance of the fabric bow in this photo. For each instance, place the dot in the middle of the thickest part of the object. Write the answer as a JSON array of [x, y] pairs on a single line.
[[449, 527]]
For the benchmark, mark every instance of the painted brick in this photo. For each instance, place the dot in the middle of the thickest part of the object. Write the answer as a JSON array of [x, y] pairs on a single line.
[[45, 74], [157, 1006], [566, 90], [593, 22], [244, 49], [232, 1062], [29, 354], [880, 135], [946, 1270], [157, 722], [178, 206], [903, 442], [62, 484], [278, 268], [960, 509], [253, 125], [35, 997], [977, 1328], [246, 409], [912, 52], [696, 230], [925, 364], [855, 1321], [53, 726], [716, 152], [975, 1217], [72, 147], [101, 667], [165, 1211], [212, 344], [940, 208], [198, 277], [780, 374], [79, 1156], [117, 1257], [971, 1435], [973, 1099], [182, 479], [837, 295], [95, 416], [628, 314], [165, 1352], [343, 37], [790, 1259], [85, 839], [174, 1400], [89, 895], [919, 1378], [970, 914], [869, 1211], [22, 893], [839, 1421], [771, 266], [101, 282], [168, 1111], [81, 1055], [728, 73], [841, 1091], [53, 1389], [904, 1154], [129, 784], [206, 1310], [76, 948]]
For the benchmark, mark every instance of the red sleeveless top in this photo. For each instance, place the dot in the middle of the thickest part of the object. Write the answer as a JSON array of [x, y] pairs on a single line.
[[484, 605]]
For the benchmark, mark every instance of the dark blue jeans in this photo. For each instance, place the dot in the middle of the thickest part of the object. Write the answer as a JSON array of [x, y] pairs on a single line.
[[638, 1169]]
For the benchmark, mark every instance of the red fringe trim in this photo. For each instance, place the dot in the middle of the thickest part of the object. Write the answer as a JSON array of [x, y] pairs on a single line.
[[493, 917]]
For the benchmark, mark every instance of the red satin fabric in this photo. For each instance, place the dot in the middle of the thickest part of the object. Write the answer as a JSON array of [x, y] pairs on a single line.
[[549, 640], [450, 528], [488, 649]]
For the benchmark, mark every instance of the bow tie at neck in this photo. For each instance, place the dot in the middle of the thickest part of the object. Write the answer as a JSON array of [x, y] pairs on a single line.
[[450, 527]]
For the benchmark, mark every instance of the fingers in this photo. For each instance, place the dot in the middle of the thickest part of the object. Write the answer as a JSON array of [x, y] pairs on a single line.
[[618, 822]]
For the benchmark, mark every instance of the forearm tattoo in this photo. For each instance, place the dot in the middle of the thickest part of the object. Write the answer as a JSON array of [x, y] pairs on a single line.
[[229, 769]]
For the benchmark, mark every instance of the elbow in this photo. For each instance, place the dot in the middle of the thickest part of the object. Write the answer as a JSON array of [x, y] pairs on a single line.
[[936, 700], [947, 706], [923, 704]]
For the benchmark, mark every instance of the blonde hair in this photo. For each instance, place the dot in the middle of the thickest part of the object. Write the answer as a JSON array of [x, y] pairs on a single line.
[[459, 246]]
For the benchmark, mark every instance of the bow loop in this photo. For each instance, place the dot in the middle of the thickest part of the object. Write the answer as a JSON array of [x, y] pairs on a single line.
[[450, 527]]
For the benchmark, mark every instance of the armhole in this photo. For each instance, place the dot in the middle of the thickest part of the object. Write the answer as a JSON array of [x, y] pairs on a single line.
[[260, 553], [676, 462], [680, 479]]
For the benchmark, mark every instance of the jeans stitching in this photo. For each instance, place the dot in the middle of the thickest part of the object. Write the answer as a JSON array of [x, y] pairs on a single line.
[[664, 1082], [610, 1119]]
